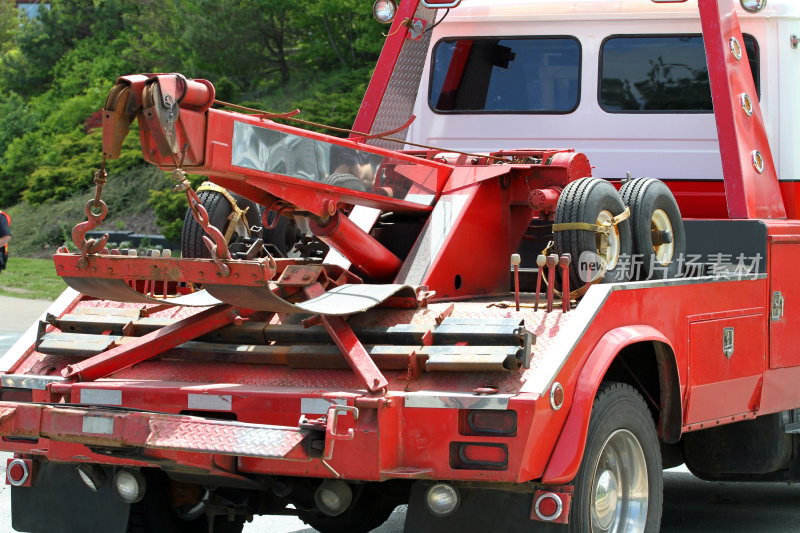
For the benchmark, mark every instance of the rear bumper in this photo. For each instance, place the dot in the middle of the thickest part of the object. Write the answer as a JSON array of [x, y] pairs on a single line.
[[122, 429], [344, 434]]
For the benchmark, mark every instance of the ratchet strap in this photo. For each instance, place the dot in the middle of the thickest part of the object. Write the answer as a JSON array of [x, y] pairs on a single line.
[[604, 228], [237, 214]]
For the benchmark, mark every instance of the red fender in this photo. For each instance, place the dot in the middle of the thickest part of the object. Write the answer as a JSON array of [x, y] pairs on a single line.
[[568, 452]]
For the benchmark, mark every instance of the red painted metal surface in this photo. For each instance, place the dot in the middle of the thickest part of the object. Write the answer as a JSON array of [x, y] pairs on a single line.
[[249, 273], [392, 437], [705, 199], [116, 429], [721, 384], [783, 326], [751, 193], [366, 254], [270, 394], [306, 195], [151, 344], [384, 68], [568, 452], [354, 352]]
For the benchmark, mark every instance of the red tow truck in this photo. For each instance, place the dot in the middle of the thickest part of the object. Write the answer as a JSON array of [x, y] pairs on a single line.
[[491, 336]]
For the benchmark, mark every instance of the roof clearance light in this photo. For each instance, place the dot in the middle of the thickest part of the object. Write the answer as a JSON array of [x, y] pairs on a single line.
[[384, 10], [753, 6]]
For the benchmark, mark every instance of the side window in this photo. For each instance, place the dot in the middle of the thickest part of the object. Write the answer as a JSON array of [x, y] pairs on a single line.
[[498, 75], [660, 73]]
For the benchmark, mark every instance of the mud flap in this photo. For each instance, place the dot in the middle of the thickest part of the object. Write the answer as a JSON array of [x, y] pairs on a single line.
[[479, 510], [59, 502]]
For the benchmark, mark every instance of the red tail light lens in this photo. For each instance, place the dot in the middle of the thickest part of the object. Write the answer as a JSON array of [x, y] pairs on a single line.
[[492, 423], [478, 456]]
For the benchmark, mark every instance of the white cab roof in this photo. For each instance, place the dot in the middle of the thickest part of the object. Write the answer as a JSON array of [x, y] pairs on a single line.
[[530, 10]]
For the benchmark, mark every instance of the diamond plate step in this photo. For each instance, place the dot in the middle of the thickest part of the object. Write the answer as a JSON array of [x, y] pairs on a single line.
[[228, 438]]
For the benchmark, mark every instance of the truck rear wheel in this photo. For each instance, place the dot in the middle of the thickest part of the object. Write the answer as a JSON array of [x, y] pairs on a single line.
[[619, 484], [656, 227], [593, 201], [156, 513], [370, 509], [219, 213]]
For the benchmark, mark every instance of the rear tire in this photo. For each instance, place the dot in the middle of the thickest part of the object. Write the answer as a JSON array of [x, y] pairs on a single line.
[[154, 514], [654, 209], [593, 201], [619, 486], [219, 209], [370, 508]]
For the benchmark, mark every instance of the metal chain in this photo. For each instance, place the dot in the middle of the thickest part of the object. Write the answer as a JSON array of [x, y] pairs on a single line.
[[100, 176], [217, 245], [92, 246]]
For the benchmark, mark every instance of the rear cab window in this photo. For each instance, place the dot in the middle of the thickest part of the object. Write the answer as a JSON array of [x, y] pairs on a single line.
[[506, 75], [659, 74]]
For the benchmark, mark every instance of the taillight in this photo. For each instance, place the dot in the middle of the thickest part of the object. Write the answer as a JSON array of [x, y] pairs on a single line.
[[490, 423], [11, 394], [18, 472], [478, 456]]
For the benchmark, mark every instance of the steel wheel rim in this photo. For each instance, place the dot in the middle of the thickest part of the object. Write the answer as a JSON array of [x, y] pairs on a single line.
[[619, 488], [611, 257], [664, 250]]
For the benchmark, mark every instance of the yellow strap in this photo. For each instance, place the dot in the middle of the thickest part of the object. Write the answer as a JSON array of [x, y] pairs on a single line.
[[237, 213], [595, 228], [567, 226]]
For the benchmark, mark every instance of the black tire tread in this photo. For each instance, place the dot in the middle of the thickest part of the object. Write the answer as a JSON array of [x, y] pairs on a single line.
[[571, 207], [344, 180], [218, 209], [152, 514], [368, 512], [608, 400], [632, 192]]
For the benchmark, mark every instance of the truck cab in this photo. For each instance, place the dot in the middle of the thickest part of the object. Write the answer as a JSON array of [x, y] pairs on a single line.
[[409, 364], [625, 83]]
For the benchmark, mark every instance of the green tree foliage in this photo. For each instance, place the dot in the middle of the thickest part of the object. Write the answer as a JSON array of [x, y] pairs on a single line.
[[56, 70], [9, 23]]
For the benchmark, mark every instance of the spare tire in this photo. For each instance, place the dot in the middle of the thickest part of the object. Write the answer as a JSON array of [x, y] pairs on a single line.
[[344, 180], [593, 201], [659, 238], [219, 215]]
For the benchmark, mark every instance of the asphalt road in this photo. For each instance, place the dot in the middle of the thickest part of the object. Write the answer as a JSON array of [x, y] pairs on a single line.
[[690, 505]]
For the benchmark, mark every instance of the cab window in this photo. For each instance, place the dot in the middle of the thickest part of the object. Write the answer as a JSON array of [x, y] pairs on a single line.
[[502, 75], [659, 73]]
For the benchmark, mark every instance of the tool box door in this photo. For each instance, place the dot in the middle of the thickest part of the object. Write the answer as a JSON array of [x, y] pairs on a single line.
[[726, 363], [784, 290]]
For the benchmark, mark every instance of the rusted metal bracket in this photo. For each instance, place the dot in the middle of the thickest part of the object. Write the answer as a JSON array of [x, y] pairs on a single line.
[[354, 352], [157, 342]]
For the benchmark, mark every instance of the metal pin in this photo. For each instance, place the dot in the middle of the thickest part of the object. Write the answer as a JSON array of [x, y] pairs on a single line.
[[564, 261], [541, 260], [552, 261], [515, 261]]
